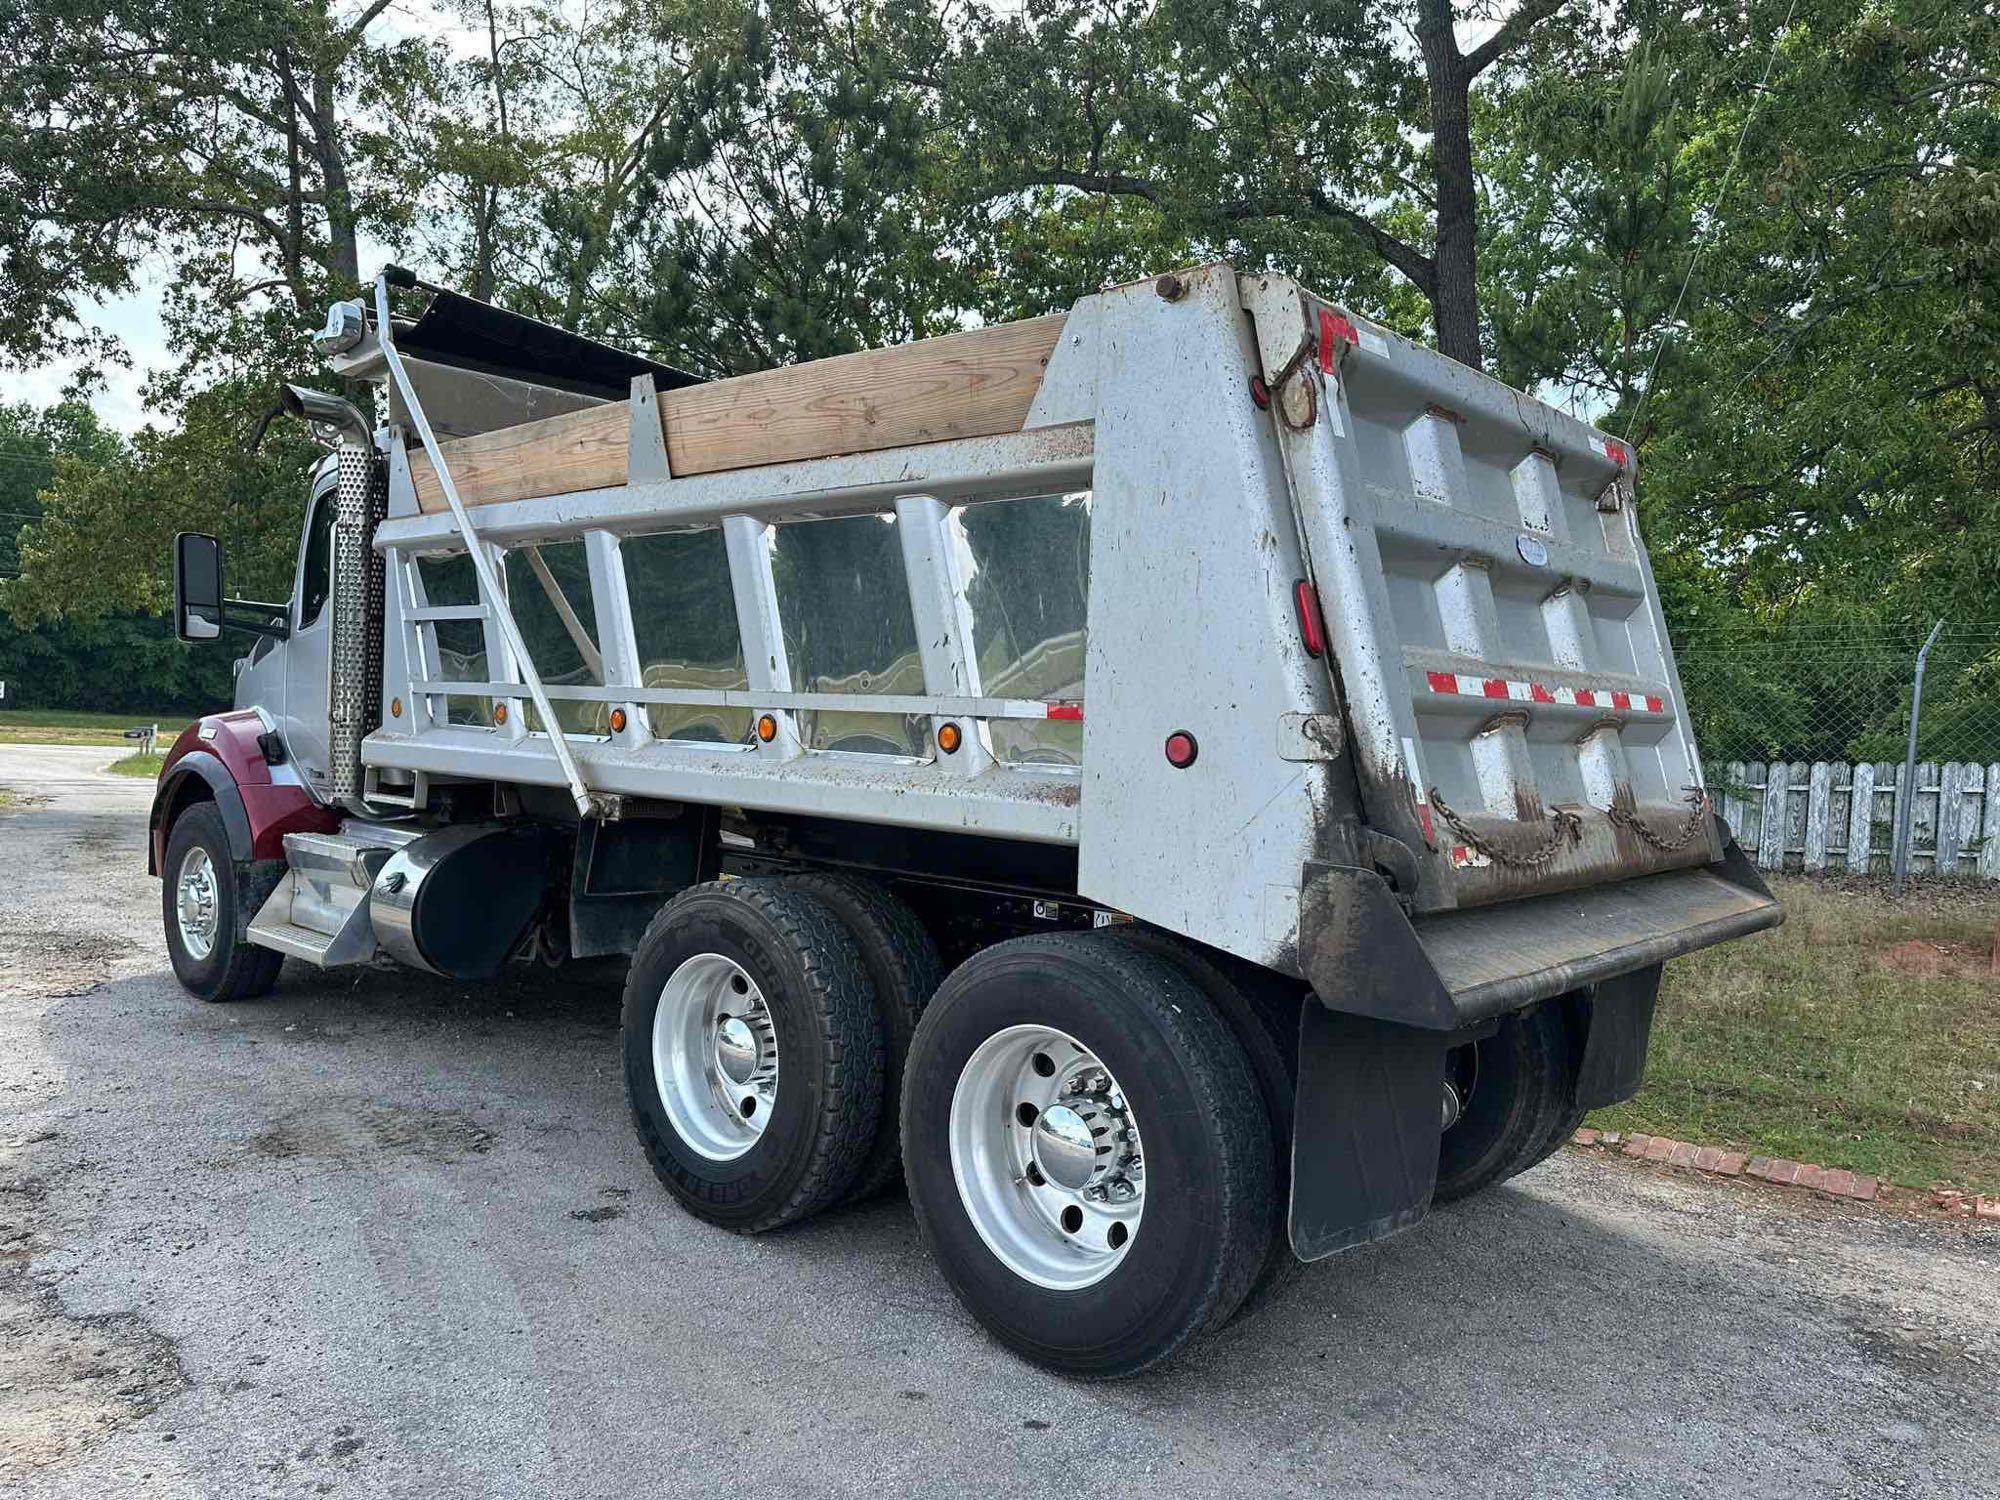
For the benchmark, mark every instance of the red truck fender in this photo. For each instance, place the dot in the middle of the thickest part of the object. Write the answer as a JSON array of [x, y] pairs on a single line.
[[222, 758]]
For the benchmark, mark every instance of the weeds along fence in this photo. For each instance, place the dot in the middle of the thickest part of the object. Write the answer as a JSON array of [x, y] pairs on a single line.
[[1806, 740]]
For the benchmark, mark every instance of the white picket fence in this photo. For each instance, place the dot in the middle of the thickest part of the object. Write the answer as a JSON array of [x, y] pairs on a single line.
[[1827, 815]]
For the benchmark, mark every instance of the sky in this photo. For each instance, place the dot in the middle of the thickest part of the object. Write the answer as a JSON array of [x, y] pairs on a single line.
[[135, 320]]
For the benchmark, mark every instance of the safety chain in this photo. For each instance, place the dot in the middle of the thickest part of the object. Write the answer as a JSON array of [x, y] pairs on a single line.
[[1625, 816], [1565, 828]]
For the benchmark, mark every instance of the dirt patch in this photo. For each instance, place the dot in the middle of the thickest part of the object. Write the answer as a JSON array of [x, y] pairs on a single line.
[[353, 1132], [36, 963], [1939, 958], [65, 1381]]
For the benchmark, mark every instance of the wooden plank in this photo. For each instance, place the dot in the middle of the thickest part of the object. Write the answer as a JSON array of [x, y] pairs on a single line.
[[1771, 835], [963, 385], [1819, 806], [1989, 838], [1861, 818], [1924, 821], [1752, 838], [1951, 802], [1733, 776], [1972, 792]]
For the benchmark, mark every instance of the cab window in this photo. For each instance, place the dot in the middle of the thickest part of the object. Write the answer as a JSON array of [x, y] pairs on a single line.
[[317, 576]]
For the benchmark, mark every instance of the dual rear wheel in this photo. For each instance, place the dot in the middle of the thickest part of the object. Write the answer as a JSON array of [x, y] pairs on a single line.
[[1088, 1152]]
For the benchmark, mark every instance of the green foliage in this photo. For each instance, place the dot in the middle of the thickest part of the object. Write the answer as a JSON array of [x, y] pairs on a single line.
[[1760, 241]]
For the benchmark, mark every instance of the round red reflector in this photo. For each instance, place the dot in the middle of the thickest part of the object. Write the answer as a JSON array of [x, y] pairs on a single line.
[[1181, 749]]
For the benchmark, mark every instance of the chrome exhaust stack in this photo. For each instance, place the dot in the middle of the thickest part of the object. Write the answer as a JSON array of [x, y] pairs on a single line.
[[354, 667]]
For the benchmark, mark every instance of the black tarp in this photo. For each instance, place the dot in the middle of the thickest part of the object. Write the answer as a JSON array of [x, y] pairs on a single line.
[[475, 335]]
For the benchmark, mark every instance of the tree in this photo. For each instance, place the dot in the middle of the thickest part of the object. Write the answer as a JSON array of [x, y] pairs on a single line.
[[1297, 123], [788, 205]]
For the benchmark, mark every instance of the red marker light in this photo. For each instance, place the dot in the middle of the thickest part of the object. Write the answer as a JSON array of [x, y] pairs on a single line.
[[1617, 454], [1312, 629], [1181, 750]]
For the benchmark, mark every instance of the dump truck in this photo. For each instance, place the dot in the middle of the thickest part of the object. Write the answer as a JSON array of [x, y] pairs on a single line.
[[1184, 784]]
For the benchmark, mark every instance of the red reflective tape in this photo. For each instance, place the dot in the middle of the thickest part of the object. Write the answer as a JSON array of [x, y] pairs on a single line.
[[1655, 706], [1585, 698], [1072, 711], [1621, 700], [1424, 818], [1617, 454], [1460, 854], [1496, 687], [1443, 682], [1334, 330], [1540, 694]]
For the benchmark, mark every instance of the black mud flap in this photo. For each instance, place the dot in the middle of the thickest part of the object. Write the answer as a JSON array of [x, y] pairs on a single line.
[[1614, 1049], [1365, 1129]]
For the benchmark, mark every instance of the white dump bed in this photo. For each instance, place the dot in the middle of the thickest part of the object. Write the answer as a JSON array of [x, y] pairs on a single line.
[[1056, 582]]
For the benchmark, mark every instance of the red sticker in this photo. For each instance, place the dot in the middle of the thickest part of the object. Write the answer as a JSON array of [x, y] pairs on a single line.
[[1334, 330]]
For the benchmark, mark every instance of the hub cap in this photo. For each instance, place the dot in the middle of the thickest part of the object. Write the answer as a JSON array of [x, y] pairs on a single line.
[[715, 1056], [195, 903], [1046, 1154]]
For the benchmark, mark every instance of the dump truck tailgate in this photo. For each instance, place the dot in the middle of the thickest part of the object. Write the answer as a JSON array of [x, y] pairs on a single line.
[[1494, 621]]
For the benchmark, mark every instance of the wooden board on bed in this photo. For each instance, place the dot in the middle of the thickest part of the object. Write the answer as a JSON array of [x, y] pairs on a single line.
[[972, 384]]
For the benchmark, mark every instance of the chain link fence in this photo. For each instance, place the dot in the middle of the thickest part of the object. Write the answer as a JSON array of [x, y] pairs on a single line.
[[1806, 742]]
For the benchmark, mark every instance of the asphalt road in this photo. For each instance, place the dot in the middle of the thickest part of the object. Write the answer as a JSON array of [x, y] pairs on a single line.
[[384, 1236]]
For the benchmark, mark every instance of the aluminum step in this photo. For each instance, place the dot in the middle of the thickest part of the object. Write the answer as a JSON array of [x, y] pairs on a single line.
[[293, 941], [319, 911]]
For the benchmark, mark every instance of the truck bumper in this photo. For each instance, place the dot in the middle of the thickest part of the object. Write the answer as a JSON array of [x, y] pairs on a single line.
[[1396, 997]]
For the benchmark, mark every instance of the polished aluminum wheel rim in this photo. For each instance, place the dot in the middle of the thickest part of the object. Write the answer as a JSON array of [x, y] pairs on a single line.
[[195, 903], [1046, 1154], [715, 1056]]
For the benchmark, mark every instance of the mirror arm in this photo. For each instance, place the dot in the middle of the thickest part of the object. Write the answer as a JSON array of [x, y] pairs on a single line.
[[268, 619]]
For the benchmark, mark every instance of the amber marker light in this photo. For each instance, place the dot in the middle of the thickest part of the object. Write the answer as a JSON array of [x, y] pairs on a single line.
[[950, 737], [395, 708], [617, 721], [499, 713], [767, 728]]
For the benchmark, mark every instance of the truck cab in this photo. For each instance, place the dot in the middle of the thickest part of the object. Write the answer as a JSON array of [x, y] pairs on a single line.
[[1185, 783]]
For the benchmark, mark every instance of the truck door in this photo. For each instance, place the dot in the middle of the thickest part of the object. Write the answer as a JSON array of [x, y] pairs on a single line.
[[303, 714]]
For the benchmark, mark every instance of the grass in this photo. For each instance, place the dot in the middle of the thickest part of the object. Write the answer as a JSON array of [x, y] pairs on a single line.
[[1864, 1033], [137, 764], [63, 726]]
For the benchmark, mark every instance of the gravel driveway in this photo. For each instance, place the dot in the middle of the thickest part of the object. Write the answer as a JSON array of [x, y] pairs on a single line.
[[379, 1235]]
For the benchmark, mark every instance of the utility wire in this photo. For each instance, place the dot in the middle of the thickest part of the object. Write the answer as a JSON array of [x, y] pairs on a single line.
[[1722, 197]]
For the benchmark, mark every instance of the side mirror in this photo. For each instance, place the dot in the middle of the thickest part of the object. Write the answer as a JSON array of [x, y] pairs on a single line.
[[197, 587]]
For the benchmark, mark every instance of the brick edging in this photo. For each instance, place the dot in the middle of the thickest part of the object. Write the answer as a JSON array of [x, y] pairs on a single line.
[[1834, 1182]]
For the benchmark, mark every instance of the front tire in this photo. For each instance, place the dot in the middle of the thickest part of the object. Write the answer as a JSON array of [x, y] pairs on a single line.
[[753, 1053], [1087, 1153], [207, 900]]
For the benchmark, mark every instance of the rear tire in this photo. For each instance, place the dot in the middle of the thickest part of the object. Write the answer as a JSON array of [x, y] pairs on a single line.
[[207, 898], [1146, 1089], [1519, 1094], [903, 965], [1265, 1021], [753, 1054]]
